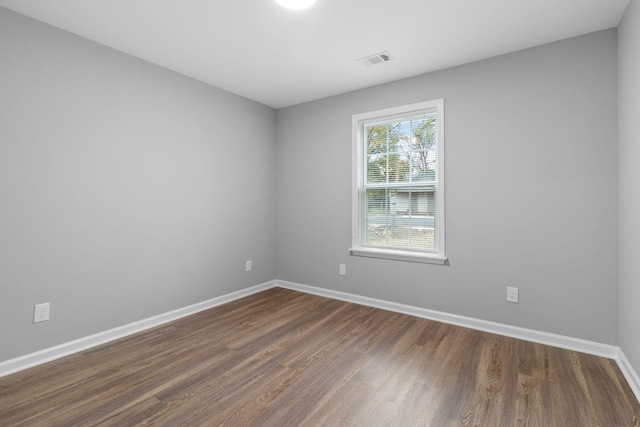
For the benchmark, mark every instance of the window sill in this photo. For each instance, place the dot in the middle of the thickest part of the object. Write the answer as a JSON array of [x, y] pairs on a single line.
[[398, 255]]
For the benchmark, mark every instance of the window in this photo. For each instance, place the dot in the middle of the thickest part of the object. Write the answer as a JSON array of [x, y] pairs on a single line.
[[398, 183]]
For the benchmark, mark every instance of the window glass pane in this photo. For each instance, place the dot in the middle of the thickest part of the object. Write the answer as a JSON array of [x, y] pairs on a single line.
[[424, 132], [377, 168], [376, 138], [376, 216], [423, 166], [410, 145], [399, 168], [402, 218]]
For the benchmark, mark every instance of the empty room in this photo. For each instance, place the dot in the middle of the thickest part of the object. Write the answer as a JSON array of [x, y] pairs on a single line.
[[320, 213]]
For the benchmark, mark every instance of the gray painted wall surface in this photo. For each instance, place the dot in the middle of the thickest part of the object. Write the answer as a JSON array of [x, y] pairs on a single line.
[[531, 189], [629, 159], [120, 196], [126, 190]]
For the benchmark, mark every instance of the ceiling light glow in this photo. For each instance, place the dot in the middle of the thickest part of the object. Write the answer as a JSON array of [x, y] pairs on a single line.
[[296, 4]]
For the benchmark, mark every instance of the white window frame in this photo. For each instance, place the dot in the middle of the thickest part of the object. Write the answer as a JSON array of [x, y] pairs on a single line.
[[358, 188]]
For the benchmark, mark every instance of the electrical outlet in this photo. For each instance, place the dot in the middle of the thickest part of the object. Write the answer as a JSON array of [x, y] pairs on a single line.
[[512, 294], [247, 265], [343, 270], [41, 312]]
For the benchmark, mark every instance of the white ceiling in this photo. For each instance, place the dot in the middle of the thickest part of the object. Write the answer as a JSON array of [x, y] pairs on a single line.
[[280, 57]]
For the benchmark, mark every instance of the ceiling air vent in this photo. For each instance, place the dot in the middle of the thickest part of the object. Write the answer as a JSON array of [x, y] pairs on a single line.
[[378, 58]]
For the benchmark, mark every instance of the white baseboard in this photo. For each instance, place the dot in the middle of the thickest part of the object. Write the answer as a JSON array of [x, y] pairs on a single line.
[[575, 344], [561, 341], [33, 359], [629, 373]]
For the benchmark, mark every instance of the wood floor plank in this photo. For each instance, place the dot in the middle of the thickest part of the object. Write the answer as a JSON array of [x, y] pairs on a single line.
[[282, 357]]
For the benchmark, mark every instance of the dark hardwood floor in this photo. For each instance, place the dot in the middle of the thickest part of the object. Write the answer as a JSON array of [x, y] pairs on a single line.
[[284, 358]]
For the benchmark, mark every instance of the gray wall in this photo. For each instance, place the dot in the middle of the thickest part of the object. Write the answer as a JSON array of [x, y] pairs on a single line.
[[126, 190], [531, 189], [629, 185]]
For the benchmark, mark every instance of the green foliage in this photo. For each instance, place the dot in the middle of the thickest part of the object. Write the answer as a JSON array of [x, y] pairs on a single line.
[[402, 151]]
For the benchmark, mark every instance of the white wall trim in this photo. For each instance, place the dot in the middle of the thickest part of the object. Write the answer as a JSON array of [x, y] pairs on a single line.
[[555, 340], [604, 350], [48, 354], [629, 373]]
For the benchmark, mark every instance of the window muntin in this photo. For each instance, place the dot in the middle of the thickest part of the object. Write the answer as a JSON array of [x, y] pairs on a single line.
[[398, 182]]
